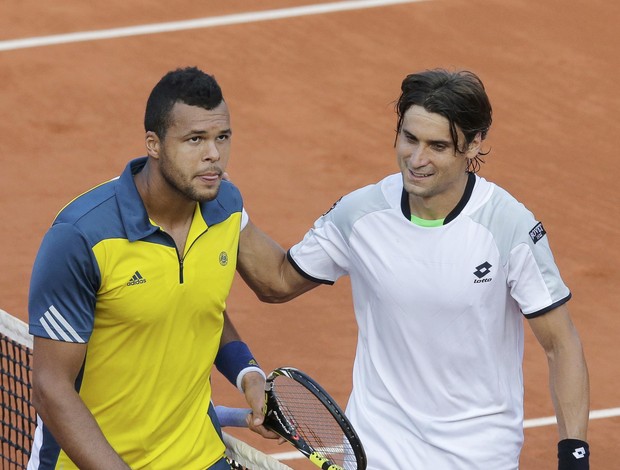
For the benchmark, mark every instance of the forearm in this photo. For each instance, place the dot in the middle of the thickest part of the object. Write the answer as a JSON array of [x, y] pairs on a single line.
[[570, 392], [76, 430], [264, 267], [260, 264], [277, 290], [235, 361], [569, 385]]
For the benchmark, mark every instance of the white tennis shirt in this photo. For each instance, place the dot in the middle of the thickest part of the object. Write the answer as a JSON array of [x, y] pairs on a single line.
[[437, 379]]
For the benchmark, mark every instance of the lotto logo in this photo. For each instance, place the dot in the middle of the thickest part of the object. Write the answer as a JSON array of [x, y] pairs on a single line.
[[579, 453], [481, 271]]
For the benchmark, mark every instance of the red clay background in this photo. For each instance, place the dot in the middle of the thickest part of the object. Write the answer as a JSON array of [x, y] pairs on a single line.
[[312, 111]]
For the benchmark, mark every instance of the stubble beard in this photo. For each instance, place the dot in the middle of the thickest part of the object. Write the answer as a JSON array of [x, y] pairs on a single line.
[[186, 190]]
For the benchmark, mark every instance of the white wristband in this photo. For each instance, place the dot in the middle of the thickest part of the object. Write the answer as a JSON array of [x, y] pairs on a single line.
[[245, 371]]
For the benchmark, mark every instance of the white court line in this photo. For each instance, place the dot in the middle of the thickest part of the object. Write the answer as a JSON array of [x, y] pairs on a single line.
[[210, 22], [596, 414], [528, 423]]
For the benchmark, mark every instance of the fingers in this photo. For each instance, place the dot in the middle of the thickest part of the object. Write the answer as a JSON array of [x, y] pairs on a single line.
[[255, 423]]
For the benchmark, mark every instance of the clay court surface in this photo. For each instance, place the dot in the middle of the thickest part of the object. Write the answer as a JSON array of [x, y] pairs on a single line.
[[311, 99]]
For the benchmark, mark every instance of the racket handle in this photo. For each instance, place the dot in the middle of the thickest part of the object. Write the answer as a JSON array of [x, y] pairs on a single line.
[[233, 417]]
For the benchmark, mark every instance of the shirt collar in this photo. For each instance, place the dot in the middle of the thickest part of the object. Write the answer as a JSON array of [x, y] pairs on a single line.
[[132, 210], [469, 188], [135, 218]]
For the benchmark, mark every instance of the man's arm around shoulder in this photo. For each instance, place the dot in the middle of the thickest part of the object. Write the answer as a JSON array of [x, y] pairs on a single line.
[[264, 266]]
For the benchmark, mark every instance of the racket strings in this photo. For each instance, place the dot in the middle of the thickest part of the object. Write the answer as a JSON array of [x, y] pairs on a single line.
[[314, 422]]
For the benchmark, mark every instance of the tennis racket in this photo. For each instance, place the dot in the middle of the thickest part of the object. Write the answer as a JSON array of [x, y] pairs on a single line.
[[302, 412]]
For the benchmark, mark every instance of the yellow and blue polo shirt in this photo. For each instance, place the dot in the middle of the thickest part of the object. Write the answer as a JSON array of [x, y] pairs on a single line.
[[152, 317]]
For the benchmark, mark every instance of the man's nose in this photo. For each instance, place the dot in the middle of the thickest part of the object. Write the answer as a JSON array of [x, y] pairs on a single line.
[[212, 153]]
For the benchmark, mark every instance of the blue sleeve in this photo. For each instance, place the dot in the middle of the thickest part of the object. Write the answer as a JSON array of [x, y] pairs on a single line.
[[63, 287]]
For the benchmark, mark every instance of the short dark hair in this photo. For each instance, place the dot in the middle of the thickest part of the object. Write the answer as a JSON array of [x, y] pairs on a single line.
[[188, 85], [458, 96]]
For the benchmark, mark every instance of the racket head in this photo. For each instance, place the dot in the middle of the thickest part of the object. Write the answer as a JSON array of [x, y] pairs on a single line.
[[301, 411]]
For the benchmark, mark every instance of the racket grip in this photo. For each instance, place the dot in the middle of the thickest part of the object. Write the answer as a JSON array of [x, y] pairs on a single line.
[[233, 417]]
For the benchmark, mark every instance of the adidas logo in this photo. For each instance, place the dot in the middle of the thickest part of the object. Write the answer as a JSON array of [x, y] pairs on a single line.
[[136, 279]]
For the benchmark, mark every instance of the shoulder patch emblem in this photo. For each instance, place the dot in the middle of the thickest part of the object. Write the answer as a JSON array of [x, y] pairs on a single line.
[[537, 233]]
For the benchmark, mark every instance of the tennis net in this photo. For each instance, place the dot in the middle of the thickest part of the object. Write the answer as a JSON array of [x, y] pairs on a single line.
[[17, 416]]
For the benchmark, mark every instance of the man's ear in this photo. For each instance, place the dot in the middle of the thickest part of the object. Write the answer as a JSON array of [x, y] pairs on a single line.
[[153, 144], [474, 147]]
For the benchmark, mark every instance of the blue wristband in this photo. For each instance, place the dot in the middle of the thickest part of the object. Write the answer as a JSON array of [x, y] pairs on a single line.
[[234, 360]]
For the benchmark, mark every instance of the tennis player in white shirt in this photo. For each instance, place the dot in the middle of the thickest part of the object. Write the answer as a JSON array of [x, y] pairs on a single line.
[[444, 265]]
